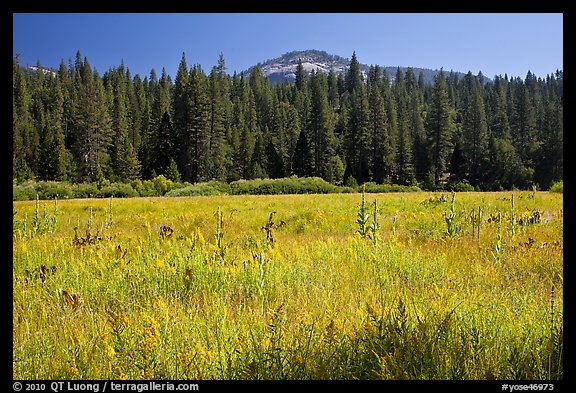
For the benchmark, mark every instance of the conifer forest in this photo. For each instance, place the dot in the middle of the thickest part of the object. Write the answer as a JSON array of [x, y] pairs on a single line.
[[78, 125]]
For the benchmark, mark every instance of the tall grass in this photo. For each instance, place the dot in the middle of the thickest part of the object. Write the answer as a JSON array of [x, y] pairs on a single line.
[[318, 302]]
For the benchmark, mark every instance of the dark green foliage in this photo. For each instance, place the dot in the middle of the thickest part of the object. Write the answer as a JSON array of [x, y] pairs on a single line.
[[289, 185], [302, 162], [458, 132], [440, 126]]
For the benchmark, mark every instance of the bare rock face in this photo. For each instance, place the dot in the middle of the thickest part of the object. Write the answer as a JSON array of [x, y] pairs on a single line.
[[284, 67]]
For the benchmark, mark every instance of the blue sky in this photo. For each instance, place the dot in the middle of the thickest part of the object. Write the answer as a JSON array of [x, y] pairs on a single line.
[[495, 44]]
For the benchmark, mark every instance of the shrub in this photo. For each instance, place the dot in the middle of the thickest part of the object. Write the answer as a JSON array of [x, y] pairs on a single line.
[[203, 188], [162, 185], [85, 190], [461, 186], [144, 188], [118, 190], [286, 185], [54, 189], [557, 187], [44, 189], [351, 182], [24, 192], [372, 187]]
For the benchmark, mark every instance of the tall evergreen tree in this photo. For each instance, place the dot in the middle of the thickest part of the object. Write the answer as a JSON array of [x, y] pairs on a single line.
[[181, 114], [380, 147], [475, 136], [93, 127], [22, 125], [197, 161], [303, 159], [123, 155], [439, 128], [258, 162], [551, 161], [358, 139], [333, 93], [55, 158], [523, 125], [404, 160], [321, 125], [217, 124], [353, 78], [293, 131], [420, 157], [301, 79]]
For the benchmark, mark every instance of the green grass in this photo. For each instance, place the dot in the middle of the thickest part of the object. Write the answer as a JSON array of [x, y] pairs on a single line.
[[218, 300]]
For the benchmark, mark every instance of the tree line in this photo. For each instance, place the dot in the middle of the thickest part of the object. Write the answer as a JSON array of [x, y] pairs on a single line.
[[79, 126]]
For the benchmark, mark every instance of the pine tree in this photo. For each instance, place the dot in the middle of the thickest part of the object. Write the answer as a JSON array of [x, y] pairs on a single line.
[[523, 125], [261, 90], [181, 114], [93, 126], [134, 106], [161, 138], [333, 93], [392, 120], [302, 163], [293, 131], [358, 140], [439, 128], [353, 78], [550, 168], [275, 165], [258, 162], [500, 126], [144, 151], [237, 163], [123, 155], [217, 124], [320, 123], [404, 160], [172, 172], [197, 161], [421, 162], [301, 79], [475, 136], [380, 147], [22, 125], [55, 158]]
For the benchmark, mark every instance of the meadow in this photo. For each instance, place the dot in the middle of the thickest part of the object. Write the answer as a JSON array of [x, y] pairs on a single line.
[[422, 285]]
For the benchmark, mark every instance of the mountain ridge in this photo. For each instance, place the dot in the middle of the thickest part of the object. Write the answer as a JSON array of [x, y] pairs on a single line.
[[283, 67]]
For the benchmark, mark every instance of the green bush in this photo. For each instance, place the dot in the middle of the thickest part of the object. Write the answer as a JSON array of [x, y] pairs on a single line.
[[557, 187], [85, 190], [54, 189], [144, 188], [118, 190], [286, 185], [162, 185], [371, 187], [461, 186], [198, 189], [24, 192], [44, 189]]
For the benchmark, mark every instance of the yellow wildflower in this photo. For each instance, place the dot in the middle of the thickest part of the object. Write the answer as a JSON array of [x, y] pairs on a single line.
[[73, 368], [150, 334]]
